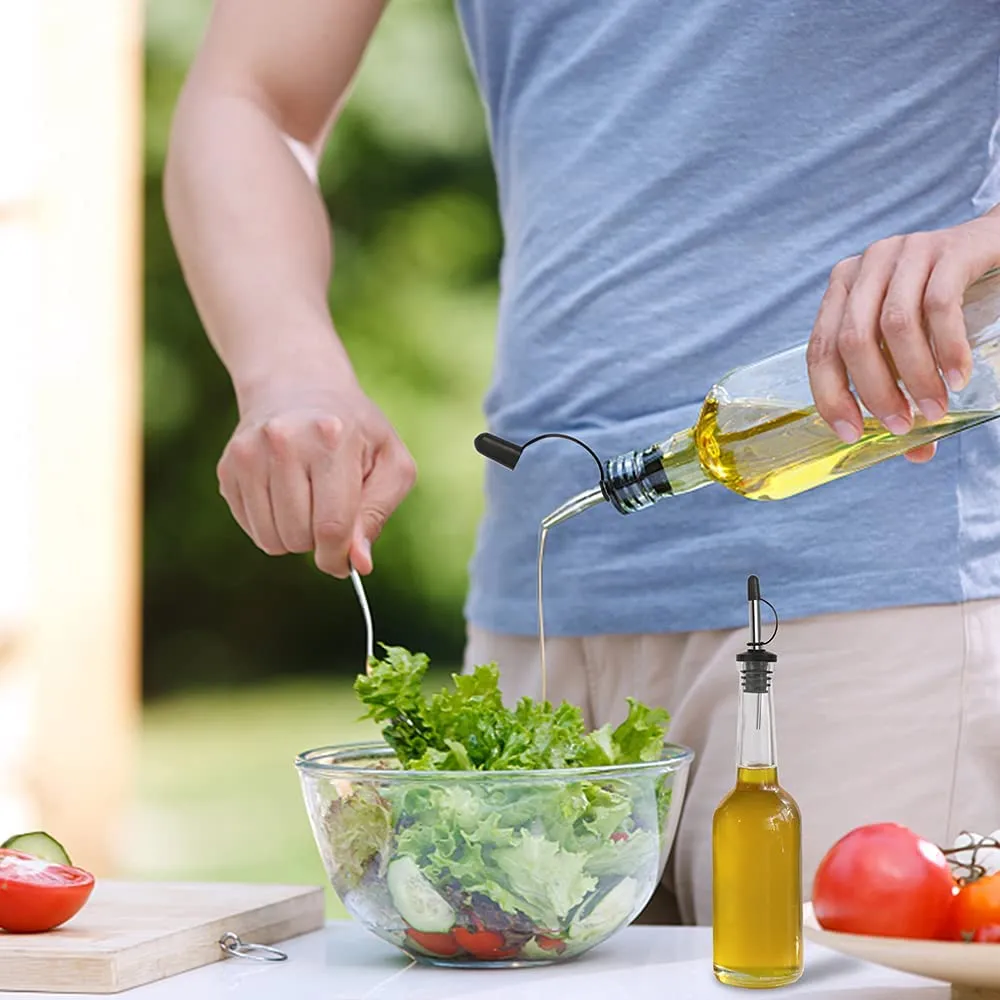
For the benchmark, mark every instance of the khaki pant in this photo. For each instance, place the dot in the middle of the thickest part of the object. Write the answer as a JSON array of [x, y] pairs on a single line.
[[888, 715]]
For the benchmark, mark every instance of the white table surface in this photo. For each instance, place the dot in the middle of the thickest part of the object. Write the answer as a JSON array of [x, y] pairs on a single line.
[[345, 962]]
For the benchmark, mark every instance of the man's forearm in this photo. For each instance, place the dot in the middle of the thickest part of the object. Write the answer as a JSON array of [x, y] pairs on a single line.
[[254, 242]]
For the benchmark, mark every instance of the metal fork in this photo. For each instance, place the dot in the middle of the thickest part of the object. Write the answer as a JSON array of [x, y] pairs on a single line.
[[366, 611]]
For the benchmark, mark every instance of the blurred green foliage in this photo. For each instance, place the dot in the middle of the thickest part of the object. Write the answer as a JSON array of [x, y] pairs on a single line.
[[410, 187], [198, 816]]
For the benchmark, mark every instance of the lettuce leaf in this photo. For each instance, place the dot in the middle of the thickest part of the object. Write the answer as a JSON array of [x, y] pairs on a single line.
[[359, 832], [548, 880], [469, 728], [636, 853]]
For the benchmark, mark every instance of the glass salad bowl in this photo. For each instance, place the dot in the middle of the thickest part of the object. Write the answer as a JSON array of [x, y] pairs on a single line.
[[492, 868]]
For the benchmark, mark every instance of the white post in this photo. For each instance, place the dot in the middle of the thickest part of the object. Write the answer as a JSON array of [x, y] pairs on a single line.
[[70, 176]]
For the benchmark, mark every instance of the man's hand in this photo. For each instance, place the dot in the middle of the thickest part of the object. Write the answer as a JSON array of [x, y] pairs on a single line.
[[897, 308], [315, 469]]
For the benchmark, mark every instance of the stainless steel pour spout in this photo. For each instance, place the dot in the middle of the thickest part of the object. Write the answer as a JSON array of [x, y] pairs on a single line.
[[507, 454]]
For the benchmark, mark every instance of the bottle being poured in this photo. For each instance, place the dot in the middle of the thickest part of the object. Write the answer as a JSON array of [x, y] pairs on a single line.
[[757, 840], [759, 434]]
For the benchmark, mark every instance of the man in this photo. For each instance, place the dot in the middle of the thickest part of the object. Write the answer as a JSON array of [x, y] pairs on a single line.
[[676, 183]]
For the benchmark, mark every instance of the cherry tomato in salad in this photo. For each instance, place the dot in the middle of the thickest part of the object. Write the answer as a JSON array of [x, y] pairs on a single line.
[[38, 895], [976, 907], [444, 945], [884, 880], [487, 945], [550, 943]]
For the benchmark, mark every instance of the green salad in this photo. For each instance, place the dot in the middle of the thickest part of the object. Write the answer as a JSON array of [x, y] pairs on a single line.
[[494, 869]]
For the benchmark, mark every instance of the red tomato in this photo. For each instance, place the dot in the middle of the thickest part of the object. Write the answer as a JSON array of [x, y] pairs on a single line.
[[884, 880], [550, 943], [437, 944], [37, 895], [949, 931], [976, 907], [989, 934], [486, 945]]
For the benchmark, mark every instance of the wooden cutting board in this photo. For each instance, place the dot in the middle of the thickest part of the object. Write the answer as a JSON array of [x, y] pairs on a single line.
[[133, 933]]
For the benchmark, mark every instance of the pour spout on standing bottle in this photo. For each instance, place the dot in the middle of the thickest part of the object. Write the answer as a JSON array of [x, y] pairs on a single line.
[[753, 601]]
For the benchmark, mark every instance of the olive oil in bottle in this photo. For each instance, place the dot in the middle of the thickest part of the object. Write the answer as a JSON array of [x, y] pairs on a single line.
[[766, 452], [756, 842]]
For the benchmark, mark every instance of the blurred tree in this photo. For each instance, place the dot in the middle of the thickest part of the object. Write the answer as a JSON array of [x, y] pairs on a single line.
[[410, 187]]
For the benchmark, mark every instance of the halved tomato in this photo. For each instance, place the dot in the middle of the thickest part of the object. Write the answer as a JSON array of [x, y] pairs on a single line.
[[437, 944], [38, 895], [487, 945]]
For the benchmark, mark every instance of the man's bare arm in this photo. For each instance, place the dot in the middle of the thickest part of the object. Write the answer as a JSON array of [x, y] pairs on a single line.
[[250, 228], [313, 464]]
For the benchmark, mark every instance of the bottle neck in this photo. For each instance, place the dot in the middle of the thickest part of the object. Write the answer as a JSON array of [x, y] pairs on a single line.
[[638, 479], [755, 731]]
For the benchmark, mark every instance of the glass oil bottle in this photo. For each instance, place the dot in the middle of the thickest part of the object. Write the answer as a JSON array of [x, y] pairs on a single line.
[[756, 841], [759, 435]]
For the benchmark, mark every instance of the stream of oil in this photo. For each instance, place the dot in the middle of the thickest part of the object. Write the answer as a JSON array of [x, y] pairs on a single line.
[[542, 535]]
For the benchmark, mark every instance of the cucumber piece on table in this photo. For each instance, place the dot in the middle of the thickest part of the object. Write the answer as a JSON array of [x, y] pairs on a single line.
[[38, 845], [417, 901]]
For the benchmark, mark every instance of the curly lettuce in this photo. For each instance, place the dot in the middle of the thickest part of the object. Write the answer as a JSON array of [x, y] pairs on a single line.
[[359, 831], [469, 728]]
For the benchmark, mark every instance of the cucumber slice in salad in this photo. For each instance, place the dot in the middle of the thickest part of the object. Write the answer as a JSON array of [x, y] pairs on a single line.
[[38, 845], [417, 901]]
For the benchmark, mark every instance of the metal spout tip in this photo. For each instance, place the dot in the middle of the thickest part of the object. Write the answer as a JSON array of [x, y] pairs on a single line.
[[577, 505]]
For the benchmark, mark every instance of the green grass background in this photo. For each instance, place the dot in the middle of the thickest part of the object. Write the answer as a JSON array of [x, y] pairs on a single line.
[[217, 793], [217, 796]]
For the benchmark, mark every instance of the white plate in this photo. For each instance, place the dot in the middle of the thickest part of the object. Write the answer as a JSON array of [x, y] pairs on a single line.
[[956, 962]]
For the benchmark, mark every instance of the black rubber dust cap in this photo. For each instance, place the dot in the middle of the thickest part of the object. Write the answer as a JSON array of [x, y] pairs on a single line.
[[498, 449]]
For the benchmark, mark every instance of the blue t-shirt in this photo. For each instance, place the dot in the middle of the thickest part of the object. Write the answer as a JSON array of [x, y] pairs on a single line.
[[676, 181]]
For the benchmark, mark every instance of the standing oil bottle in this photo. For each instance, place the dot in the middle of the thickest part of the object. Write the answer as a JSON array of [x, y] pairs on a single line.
[[757, 841]]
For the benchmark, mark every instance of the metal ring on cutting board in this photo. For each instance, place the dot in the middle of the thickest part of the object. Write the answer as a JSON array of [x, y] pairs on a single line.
[[232, 945]]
